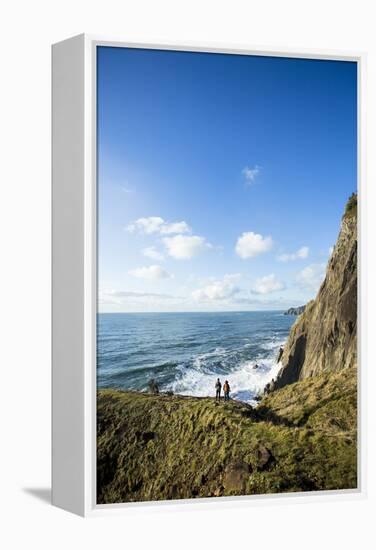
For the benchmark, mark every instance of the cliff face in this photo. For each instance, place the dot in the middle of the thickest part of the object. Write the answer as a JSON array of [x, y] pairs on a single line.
[[323, 339]]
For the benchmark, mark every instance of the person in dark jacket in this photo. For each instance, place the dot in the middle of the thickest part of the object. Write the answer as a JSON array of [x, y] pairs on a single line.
[[226, 390], [280, 353], [218, 387]]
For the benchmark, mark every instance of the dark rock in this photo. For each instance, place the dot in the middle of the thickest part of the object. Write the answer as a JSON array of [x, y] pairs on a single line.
[[264, 458], [153, 386], [270, 386], [295, 310], [236, 476]]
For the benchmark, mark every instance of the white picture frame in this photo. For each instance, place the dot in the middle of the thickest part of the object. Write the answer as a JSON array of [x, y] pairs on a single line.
[[74, 286]]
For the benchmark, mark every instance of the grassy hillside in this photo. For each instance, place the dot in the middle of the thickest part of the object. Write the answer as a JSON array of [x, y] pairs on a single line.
[[153, 447]]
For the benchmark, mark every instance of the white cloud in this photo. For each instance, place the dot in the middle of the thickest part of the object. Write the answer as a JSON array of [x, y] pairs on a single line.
[[250, 174], [300, 254], [152, 252], [146, 225], [251, 244], [183, 247], [331, 250], [124, 294], [151, 273], [311, 276], [126, 189], [217, 290], [175, 227], [156, 224], [267, 284]]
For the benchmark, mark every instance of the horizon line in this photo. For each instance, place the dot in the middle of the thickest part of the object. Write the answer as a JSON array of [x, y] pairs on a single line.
[[222, 311]]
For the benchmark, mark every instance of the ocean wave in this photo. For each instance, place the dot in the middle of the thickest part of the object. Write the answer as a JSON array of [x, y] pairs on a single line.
[[187, 352], [246, 381]]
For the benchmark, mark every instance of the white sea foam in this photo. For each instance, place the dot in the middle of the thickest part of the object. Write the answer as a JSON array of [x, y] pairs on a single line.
[[246, 382]]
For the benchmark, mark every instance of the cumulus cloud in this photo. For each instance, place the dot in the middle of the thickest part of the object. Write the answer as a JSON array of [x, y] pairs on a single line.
[[219, 290], [153, 253], [150, 273], [175, 227], [156, 224], [300, 254], [311, 276], [251, 244], [267, 284], [184, 247], [250, 174]]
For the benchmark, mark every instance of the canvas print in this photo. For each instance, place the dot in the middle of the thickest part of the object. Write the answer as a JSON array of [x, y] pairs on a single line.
[[227, 275]]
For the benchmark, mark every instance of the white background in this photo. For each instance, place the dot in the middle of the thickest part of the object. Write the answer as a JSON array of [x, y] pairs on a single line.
[[27, 30]]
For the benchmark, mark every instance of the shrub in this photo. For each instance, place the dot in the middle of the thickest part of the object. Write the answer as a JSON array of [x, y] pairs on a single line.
[[351, 206]]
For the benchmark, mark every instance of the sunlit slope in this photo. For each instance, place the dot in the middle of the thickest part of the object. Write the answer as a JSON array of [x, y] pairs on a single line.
[[301, 438]]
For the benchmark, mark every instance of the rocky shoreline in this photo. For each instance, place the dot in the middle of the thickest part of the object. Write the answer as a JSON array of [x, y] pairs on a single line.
[[302, 436], [295, 310]]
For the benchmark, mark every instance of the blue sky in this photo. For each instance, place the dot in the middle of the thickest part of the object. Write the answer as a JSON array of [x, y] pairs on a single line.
[[222, 179]]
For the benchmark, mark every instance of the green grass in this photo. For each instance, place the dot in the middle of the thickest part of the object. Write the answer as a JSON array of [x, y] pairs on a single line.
[[153, 447], [351, 206]]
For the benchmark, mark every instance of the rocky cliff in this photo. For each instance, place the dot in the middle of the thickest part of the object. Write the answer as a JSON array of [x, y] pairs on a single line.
[[295, 310], [323, 338]]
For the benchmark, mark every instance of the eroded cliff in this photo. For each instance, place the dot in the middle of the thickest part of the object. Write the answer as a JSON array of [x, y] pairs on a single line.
[[323, 339]]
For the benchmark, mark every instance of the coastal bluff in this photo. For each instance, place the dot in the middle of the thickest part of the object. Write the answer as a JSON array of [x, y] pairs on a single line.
[[323, 338], [302, 436], [162, 447], [295, 310]]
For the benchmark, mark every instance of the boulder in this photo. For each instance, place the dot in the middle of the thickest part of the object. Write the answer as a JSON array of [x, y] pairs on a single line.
[[236, 476]]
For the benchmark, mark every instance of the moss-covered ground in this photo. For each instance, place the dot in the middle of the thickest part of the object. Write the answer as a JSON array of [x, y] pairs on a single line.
[[300, 438]]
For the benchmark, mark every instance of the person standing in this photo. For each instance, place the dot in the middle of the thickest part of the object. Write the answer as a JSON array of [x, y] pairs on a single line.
[[226, 390], [218, 387]]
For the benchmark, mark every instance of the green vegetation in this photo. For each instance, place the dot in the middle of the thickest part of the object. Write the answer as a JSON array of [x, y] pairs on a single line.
[[300, 438], [351, 206]]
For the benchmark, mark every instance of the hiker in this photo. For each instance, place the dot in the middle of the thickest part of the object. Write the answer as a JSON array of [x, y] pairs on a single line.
[[280, 354], [218, 387], [153, 386], [226, 390]]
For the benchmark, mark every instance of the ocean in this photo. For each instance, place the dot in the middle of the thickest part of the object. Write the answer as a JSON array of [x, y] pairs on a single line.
[[186, 352]]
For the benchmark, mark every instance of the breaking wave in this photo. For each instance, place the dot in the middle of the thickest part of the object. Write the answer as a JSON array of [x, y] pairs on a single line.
[[186, 352]]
